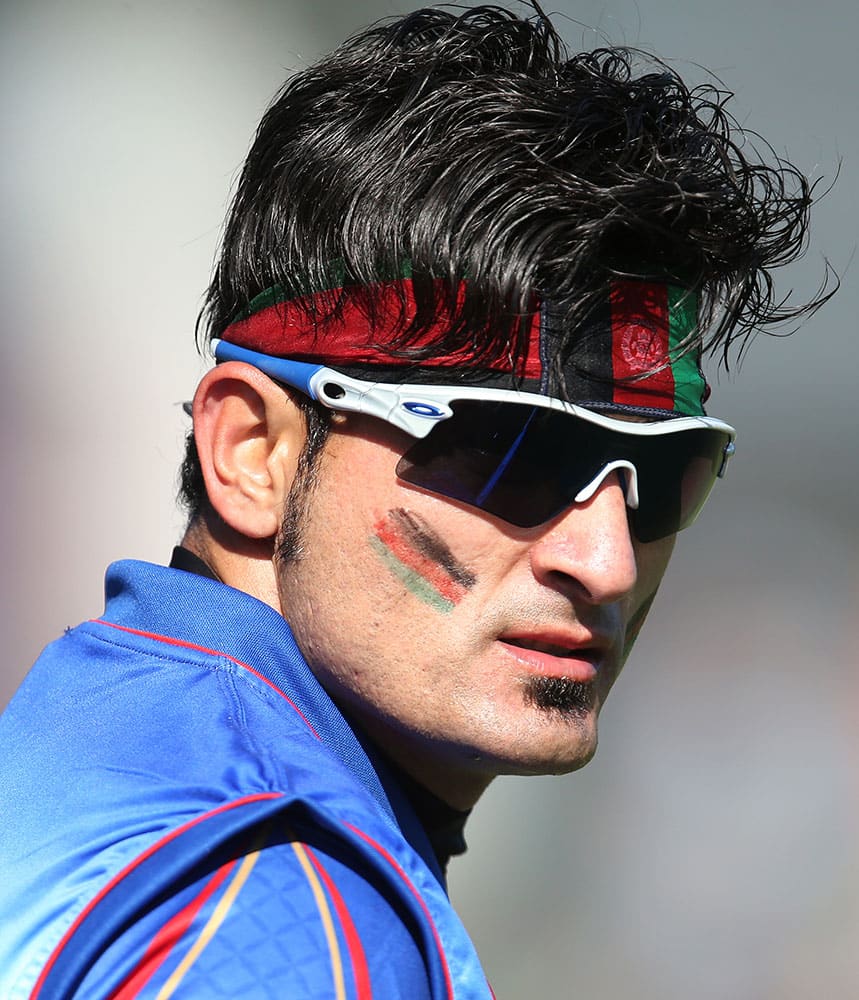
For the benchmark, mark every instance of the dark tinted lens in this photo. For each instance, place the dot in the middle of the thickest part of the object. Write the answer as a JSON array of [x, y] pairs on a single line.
[[503, 458], [526, 464], [676, 473]]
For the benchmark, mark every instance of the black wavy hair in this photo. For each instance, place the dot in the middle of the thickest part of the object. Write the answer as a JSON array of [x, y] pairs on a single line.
[[471, 144]]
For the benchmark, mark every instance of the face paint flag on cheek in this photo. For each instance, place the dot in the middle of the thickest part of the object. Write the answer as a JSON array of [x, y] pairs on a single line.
[[421, 560]]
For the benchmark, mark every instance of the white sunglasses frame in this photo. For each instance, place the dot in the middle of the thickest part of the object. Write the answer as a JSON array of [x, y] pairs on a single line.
[[416, 408]]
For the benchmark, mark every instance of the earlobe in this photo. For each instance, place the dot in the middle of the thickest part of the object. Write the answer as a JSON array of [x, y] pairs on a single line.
[[249, 435]]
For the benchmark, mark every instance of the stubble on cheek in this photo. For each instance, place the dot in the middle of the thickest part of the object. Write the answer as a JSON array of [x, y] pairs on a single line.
[[635, 625], [420, 559]]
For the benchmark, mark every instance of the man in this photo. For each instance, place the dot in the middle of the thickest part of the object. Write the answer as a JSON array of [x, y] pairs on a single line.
[[433, 483]]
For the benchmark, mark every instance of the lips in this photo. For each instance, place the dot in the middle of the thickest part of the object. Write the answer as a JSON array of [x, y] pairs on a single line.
[[542, 647], [575, 657]]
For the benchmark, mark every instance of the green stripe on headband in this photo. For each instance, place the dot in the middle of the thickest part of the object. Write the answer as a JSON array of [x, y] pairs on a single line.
[[690, 388], [332, 278]]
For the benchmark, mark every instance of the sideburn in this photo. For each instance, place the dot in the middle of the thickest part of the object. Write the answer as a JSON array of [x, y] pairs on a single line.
[[317, 420]]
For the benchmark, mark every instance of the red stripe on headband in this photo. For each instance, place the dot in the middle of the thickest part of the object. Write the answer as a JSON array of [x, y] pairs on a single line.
[[289, 329], [640, 344]]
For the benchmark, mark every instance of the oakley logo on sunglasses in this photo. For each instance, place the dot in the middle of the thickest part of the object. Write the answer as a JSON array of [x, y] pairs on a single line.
[[522, 457], [422, 409]]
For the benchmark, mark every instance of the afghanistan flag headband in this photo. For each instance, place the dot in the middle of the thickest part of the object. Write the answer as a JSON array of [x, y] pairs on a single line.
[[632, 357]]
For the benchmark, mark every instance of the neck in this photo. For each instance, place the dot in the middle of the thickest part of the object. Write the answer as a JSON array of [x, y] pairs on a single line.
[[442, 773], [246, 564]]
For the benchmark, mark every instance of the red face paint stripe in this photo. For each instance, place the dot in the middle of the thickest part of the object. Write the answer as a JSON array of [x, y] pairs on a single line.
[[170, 641], [434, 574], [357, 957], [168, 937], [143, 856], [392, 862], [639, 336], [288, 329]]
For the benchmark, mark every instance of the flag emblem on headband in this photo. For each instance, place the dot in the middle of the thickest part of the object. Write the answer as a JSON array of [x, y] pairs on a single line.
[[639, 348]]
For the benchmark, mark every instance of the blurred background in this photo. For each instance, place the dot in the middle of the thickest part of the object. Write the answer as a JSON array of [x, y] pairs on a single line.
[[710, 850]]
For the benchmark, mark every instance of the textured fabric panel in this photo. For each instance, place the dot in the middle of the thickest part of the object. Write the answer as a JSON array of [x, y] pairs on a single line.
[[267, 937]]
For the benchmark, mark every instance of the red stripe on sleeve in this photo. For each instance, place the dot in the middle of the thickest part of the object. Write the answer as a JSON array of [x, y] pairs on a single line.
[[421, 902], [168, 937], [143, 856], [357, 957]]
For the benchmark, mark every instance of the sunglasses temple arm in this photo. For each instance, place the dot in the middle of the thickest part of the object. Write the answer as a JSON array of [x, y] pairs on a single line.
[[296, 374], [415, 415]]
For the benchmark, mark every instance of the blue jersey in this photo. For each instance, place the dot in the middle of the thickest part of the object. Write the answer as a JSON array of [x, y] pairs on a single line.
[[186, 813]]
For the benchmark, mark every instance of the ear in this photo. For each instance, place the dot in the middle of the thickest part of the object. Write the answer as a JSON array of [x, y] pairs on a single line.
[[249, 435]]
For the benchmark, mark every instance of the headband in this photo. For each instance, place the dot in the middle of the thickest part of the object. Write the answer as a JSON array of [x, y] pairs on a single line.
[[633, 355]]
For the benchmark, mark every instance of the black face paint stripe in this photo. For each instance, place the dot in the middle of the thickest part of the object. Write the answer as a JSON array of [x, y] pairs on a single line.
[[427, 542]]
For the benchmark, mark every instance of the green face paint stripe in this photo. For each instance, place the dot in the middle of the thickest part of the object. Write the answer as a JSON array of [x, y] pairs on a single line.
[[394, 532], [416, 584], [689, 383]]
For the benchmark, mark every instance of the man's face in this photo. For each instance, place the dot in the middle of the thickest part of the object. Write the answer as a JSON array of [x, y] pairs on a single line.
[[465, 646]]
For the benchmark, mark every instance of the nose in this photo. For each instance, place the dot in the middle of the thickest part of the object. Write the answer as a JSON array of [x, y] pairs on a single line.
[[588, 549]]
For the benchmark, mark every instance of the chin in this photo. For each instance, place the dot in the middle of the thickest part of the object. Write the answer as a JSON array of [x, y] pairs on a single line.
[[558, 745], [565, 761]]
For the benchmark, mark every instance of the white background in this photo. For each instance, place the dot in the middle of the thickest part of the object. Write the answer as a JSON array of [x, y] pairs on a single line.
[[710, 850]]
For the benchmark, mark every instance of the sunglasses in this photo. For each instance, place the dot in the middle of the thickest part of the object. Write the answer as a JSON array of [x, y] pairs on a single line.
[[524, 457]]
